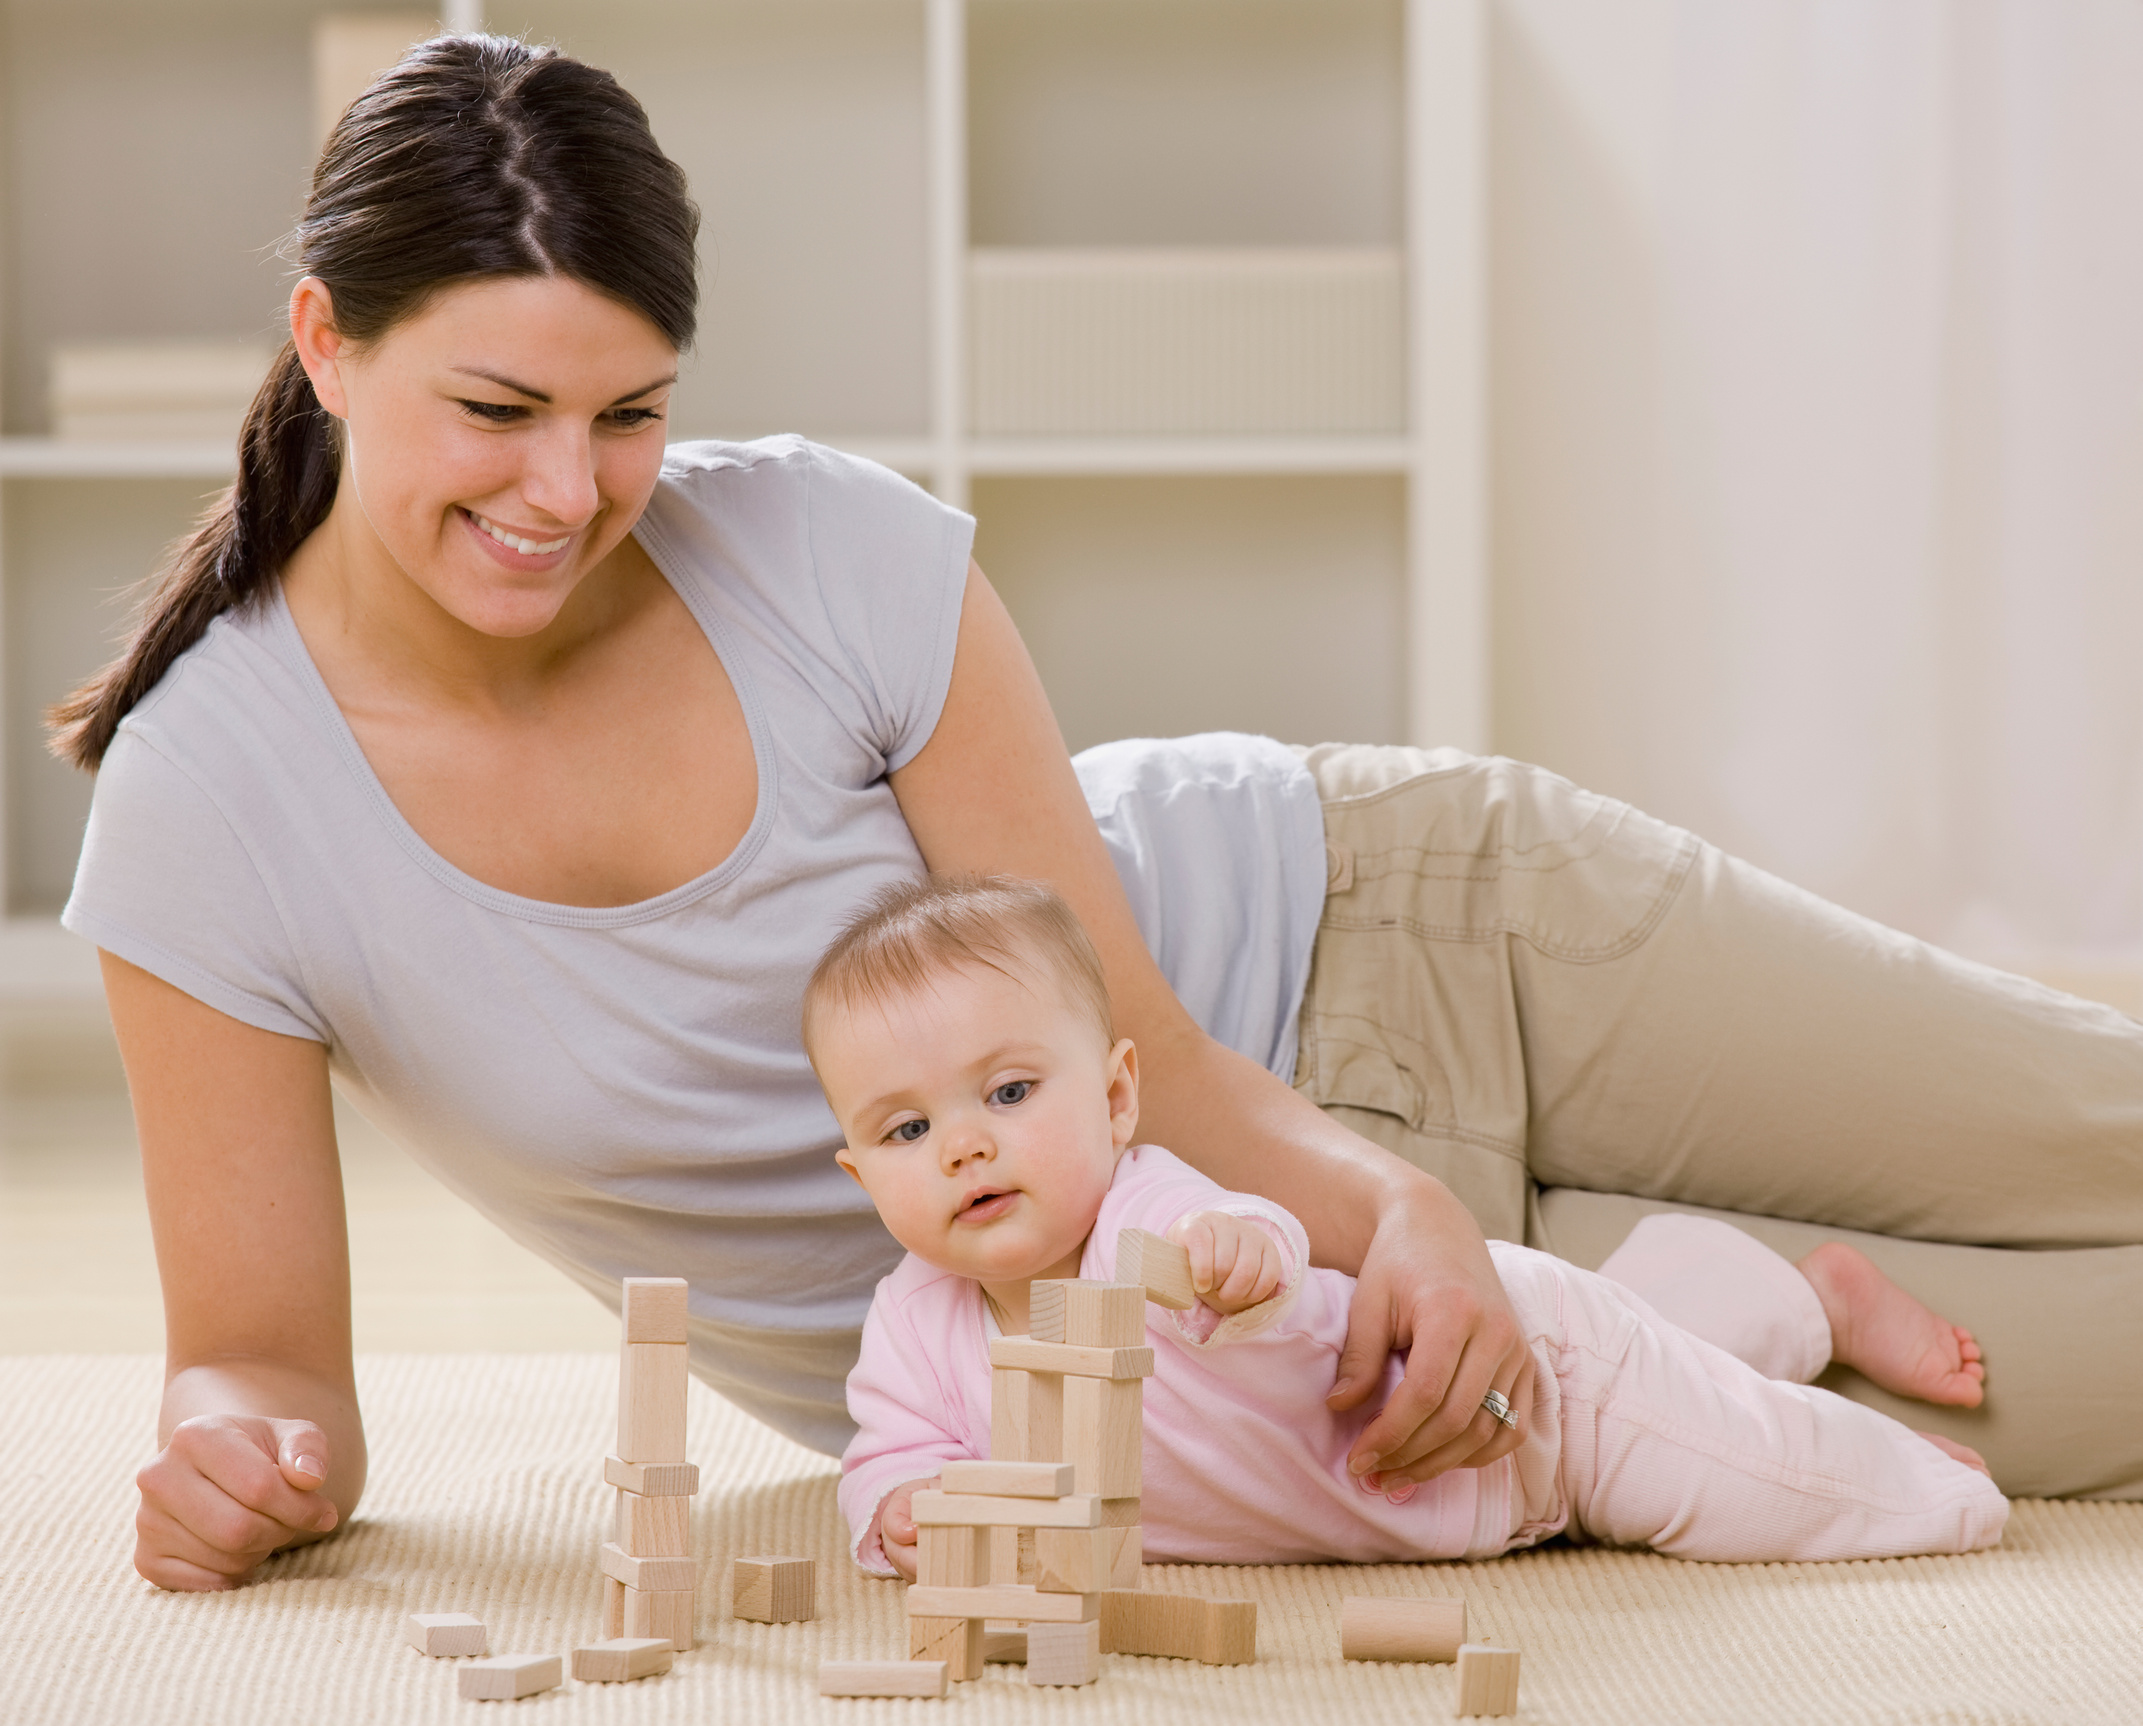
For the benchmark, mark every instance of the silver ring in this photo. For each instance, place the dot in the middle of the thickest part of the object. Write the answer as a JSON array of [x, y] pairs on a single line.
[[1498, 1405]]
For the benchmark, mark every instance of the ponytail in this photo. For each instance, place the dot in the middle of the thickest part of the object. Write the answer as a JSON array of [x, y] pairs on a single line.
[[288, 465], [475, 157]]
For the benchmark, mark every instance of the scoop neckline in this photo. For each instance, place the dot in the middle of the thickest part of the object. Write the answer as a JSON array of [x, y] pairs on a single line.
[[459, 880]]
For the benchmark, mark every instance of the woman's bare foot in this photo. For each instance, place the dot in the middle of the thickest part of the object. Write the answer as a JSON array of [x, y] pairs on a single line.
[[1964, 1453], [1881, 1331]]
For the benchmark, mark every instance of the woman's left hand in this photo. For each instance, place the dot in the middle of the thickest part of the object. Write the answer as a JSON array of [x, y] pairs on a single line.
[[1427, 1287]]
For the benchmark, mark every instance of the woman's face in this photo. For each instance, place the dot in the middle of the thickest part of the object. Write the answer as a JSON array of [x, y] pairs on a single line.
[[501, 442]]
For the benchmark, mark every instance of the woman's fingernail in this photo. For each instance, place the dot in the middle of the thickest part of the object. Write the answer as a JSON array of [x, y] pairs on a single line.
[[1359, 1465], [311, 1465]]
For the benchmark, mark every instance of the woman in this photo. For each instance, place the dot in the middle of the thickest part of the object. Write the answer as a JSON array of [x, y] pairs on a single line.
[[473, 754]]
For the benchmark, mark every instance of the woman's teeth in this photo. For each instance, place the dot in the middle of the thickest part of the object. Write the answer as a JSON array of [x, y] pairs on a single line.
[[526, 547]]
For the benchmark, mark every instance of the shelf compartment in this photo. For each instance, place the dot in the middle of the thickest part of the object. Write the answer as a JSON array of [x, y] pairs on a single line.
[[1197, 342]]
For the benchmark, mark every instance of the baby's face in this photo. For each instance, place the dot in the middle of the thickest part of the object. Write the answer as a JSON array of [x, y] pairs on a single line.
[[984, 1115]]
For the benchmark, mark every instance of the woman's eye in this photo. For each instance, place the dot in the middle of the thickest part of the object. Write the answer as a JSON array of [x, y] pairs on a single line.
[[909, 1131], [1016, 1092], [492, 413], [631, 419]]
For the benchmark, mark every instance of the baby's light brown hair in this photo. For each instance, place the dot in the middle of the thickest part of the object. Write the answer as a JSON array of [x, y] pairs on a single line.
[[913, 932]]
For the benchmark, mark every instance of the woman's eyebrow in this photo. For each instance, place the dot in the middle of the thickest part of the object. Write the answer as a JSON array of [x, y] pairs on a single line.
[[506, 383]]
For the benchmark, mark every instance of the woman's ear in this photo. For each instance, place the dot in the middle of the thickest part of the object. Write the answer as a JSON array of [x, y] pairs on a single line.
[[1123, 1092], [319, 343]]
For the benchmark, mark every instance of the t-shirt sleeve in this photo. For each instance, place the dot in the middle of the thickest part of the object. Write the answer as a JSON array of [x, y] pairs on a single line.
[[165, 883], [891, 563]]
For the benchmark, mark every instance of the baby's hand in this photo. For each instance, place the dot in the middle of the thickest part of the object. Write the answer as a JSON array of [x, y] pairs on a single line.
[[1235, 1263], [896, 1525]]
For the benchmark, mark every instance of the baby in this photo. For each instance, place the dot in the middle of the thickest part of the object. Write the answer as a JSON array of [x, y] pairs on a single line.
[[961, 1030]]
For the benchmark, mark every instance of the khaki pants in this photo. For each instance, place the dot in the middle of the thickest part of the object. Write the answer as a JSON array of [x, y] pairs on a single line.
[[1575, 1015]]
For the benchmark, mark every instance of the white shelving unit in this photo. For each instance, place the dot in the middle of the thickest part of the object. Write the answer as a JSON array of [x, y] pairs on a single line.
[[900, 197]]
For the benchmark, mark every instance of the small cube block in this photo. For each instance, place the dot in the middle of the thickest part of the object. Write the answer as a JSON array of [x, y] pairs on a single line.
[[656, 1309], [1158, 1265], [774, 1590], [508, 1677], [953, 1643], [1064, 1653], [444, 1634], [666, 1612], [653, 1527], [619, 1658], [882, 1678], [1087, 1314], [1127, 1556], [1074, 1560], [1487, 1679], [1228, 1634]]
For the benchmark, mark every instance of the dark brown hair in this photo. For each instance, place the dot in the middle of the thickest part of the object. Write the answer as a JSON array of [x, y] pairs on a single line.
[[476, 156], [912, 932]]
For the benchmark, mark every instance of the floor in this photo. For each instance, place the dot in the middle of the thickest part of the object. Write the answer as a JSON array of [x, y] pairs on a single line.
[[78, 1272]]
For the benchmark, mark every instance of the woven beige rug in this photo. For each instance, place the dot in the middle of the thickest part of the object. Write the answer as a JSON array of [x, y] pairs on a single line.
[[486, 1497]]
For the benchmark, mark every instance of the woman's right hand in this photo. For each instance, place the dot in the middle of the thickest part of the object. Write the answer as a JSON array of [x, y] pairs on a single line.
[[225, 1492]]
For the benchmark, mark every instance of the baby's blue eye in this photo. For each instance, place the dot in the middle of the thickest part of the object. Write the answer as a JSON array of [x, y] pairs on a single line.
[[909, 1131], [1016, 1092]]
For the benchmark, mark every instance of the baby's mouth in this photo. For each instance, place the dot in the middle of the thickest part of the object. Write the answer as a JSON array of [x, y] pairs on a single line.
[[985, 1205]]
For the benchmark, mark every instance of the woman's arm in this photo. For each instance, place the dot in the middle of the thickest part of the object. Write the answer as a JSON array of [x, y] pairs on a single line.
[[261, 1445], [994, 791]]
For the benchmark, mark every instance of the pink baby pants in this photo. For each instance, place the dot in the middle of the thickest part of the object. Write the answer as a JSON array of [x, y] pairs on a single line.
[[1670, 1441]]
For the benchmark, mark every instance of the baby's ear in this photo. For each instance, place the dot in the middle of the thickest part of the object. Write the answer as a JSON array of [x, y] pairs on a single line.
[[1123, 1092], [847, 1159]]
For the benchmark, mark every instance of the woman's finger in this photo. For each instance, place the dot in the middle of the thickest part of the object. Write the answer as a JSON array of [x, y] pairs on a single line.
[[240, 1456], [159, 1532], [1483, 1440]]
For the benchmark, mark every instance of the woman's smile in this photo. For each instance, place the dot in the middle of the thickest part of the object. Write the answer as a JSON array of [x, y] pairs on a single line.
[[517, 551]]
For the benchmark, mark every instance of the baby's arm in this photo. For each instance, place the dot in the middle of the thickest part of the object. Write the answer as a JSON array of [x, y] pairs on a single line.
[[1236, 1263]]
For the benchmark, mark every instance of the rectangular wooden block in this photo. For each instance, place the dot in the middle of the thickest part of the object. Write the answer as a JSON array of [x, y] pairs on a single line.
[[1074, 1560], [1026, 1416], [774, 1590], [954, 1643], [1064, 1653], [669, 1612], [1069, 1358], [1379, 1627], [1087, 1314], [1002, 1600], [882, 1678], [953, 1557], [656, 1309], [652, 1479], [970, 1510], [613, 1608], [1487, 1679], [619, 1658], [1011, 1555], [444, 1635], [506, 1677], [1127, 1554], [651, 1402], [1007, 1479], [1158, 1265], [1120, 1513], [1104, 1434], [649, 1575], [653, 1527], [1179, 1626]]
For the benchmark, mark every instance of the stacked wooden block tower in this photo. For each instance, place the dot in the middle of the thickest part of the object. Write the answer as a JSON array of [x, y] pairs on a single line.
[[650, 1577], [1046, 1533]]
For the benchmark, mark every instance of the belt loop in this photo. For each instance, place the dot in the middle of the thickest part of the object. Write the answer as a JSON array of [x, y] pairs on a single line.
[[1338, 867]]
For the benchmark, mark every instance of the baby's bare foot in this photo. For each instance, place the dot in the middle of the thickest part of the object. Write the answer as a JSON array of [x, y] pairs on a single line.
[[1879, 1330], [1964, 1453]]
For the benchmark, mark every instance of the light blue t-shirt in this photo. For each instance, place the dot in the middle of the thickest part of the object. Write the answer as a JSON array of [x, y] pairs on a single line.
[[623, 1089]]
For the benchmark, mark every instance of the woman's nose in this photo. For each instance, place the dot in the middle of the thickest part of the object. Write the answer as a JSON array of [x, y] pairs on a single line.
[[560, 477]]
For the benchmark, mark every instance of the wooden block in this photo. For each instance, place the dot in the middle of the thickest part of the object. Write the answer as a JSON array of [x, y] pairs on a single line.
[[1379, 1627], [882, 1678], [656, 1309], [654, 1527], [1158, 1265], [1004, 1554], [653, 1479], [1064, 1653], [1007, 1479], [507, 1677], [1120, 1513], [1487, 1679], [1179, 1626], [1074, 1560], [444, 1635], [619, 1658], [670, 1612], [649, 1575], [613, 1608], [774, 1590], [1104, 1435], [971, 1510], [953, 1557], [1228, 1633], [1002, 1600], [1087, 1314], [954, 1643], [651, 1402], [1127, 1554], [1026, 1416], [1005, 1647], [1069, 1358]]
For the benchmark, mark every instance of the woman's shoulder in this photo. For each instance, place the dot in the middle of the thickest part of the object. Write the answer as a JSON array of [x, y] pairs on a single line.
[[244, 687]]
